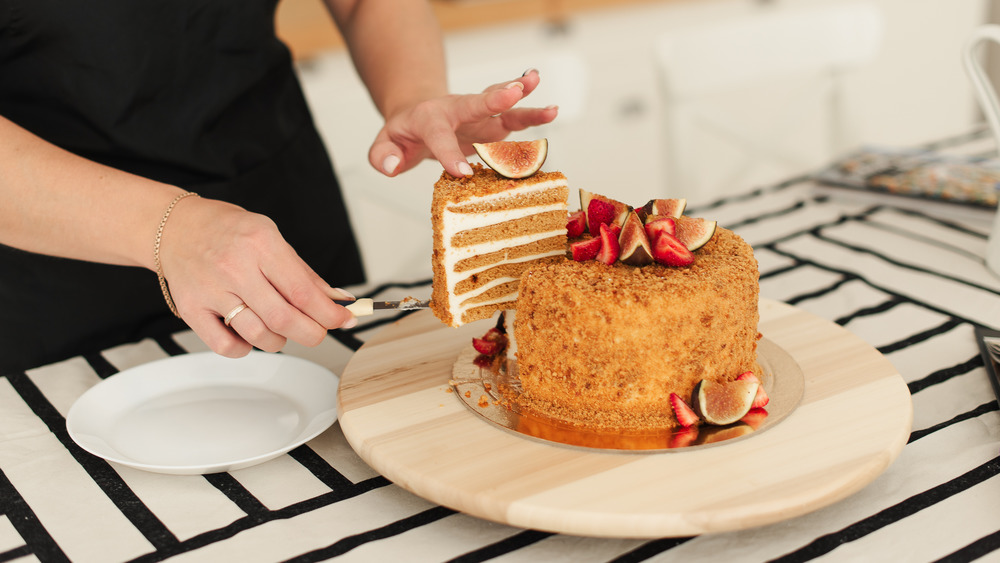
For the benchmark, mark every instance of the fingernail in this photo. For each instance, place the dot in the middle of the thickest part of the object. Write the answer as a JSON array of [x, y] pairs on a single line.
[[529, 71], [552, 107], [515, 85], [351, 323], [390, 163], [337, 293], [465, 169]]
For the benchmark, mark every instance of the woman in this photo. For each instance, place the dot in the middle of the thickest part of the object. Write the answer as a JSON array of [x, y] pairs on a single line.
[[113, 114]]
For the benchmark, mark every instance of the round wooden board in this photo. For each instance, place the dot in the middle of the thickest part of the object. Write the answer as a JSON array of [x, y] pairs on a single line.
[[853, 421]]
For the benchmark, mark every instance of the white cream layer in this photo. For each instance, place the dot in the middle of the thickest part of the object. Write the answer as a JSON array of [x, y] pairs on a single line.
[[459, 303], [473, 293]]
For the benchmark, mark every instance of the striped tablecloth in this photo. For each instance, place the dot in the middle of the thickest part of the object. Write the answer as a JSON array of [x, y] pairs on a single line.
[[905, 275]]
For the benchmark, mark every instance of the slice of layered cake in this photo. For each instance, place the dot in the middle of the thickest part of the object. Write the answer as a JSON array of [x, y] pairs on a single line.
[[487, 230]]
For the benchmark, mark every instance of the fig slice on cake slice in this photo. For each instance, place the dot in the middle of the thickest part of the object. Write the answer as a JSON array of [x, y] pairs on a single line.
[[634, 245], [723, 403], [694, 232], [514, 159]]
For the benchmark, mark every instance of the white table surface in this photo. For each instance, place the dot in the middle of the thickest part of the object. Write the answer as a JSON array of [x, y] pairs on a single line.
[[907, 276]]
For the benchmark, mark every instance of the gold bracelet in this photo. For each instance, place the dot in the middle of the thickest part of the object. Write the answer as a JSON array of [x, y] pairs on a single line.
[[156, 252]]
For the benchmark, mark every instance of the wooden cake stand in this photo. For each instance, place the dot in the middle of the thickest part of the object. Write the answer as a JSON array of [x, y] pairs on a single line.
[[398, 413]]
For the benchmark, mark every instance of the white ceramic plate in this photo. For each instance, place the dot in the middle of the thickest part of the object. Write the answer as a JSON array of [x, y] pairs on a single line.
[[203, 413]]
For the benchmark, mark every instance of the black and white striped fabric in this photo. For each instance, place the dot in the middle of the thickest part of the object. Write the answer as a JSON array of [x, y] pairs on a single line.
[[907, 276]]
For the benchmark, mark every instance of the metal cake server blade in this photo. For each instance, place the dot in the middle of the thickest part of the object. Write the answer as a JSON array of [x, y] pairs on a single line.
[[365, 306]]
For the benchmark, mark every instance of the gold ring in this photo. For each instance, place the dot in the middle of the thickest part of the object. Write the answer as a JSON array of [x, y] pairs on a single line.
[[236, 311]]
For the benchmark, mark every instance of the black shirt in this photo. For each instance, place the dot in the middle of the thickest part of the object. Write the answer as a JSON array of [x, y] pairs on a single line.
[[196, 93]]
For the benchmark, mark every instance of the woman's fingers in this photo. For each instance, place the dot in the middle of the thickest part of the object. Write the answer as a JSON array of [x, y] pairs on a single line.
[[292, 303], [267, 328], [439, 137], [445, 128], [529, 81], [255, 331], [434, 125], [476, 107], [519, 119]]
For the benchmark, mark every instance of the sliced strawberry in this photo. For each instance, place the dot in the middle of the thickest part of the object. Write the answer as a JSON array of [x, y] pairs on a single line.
[[585, 249], [761, 399], [496, 335], [491, 343], [576, 223], [600, 212], [660, 225], [486, 347], [609, 244], [669, 251], [684, 414]]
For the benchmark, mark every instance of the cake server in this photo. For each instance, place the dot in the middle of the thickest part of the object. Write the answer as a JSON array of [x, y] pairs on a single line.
[[989, 347], [365, 306]]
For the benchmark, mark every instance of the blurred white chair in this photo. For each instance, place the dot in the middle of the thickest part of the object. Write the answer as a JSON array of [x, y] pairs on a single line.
[[759, 98]]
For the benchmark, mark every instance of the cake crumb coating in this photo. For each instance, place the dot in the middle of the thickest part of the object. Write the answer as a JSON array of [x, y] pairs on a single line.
[[604, 345]]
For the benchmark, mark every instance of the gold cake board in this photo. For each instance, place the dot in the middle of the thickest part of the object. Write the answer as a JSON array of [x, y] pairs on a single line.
[[398, 413]]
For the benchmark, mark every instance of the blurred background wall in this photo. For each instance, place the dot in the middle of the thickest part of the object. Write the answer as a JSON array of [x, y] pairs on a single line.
[[602, 62]]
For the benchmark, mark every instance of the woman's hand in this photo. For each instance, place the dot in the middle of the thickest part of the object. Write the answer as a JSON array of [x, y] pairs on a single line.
[[216, 256], [445, 128]]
